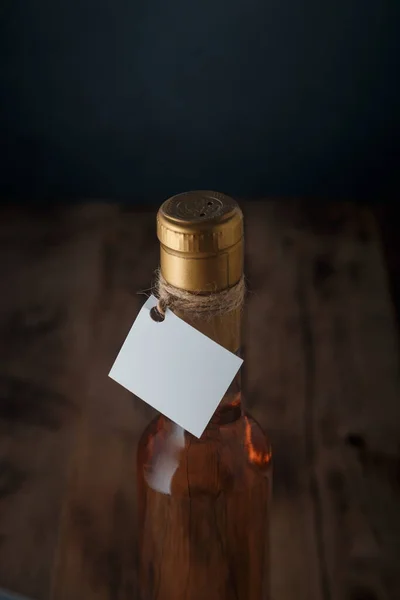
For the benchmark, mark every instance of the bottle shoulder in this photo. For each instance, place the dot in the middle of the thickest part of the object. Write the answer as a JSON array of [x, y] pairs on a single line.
[[227, 457]]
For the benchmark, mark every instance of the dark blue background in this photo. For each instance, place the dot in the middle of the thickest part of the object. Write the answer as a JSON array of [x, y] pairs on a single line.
[[128, 99]]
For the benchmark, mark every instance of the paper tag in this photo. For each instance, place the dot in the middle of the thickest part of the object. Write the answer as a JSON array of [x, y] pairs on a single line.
[[175, 368]]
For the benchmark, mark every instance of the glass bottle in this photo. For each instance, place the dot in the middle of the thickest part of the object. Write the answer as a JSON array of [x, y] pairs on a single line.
[[204, 503]]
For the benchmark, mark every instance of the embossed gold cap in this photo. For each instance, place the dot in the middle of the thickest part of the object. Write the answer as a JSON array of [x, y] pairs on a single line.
[[201, 236], [200, 221]]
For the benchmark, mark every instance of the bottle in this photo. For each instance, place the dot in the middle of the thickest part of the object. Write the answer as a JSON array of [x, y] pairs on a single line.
[[204, 503]]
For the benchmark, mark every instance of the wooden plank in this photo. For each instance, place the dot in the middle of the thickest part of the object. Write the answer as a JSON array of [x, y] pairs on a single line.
[[45, 310], [321, 289], [348, 397], [322, 362], [277, 397], [355, 414], [97, 556]]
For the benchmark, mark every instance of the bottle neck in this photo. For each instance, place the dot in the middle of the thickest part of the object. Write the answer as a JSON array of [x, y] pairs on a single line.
[[211, 273], [225, 330]]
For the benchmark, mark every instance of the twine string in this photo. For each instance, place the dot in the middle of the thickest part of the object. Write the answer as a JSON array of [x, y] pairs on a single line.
[[194, 304]]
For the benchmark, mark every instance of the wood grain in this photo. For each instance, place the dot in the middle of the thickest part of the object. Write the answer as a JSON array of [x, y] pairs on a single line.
[[322, 360]]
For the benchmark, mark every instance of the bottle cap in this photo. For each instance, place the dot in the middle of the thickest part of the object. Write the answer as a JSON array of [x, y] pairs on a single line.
[[199, 222], [201, 235]]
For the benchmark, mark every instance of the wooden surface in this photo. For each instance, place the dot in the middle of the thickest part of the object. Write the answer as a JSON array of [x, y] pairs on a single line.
[[322, 364]]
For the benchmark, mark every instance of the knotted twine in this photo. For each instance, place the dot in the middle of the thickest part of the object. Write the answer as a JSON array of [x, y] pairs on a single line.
[[195, 304]]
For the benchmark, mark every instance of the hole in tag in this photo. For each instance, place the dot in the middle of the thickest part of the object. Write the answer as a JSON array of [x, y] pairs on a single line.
[[156, 315]]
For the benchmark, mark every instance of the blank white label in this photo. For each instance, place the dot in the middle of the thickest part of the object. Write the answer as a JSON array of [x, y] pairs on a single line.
[[175, 368]]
